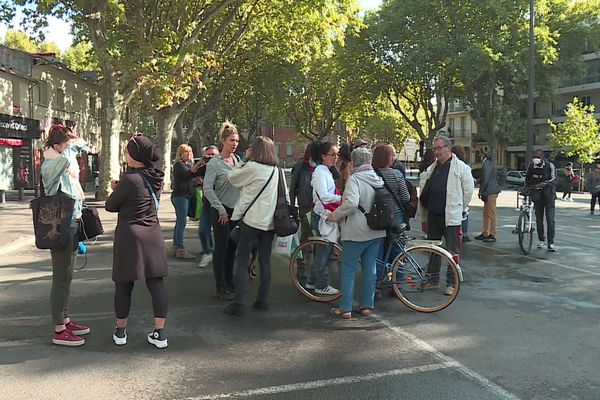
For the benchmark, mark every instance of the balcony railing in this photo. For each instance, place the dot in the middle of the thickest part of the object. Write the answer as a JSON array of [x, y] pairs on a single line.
[[593, 78]]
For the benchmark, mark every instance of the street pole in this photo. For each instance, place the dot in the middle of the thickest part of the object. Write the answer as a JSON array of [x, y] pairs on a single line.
[[530, 97]]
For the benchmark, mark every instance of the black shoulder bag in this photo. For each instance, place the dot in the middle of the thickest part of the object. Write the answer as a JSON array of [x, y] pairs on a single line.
[[285, 218]]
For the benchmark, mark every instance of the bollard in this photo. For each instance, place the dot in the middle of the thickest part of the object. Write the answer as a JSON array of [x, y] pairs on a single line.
[[21, 193], [2, 196]]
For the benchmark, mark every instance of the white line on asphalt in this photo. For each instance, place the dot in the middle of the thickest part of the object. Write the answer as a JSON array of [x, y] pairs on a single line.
[[326, 382], [541, 260], [483, 381], [21, 241]]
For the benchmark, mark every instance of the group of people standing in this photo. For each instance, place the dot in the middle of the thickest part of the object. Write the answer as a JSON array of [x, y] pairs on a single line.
[[330, 185]]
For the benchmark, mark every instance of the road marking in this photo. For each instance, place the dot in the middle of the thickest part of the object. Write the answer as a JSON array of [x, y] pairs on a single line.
[[21, 241], [542, 260], [294, 387], [483, 381]]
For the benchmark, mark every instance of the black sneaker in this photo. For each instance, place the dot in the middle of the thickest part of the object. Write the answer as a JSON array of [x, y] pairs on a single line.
[[551, 248], [489, 239], [120, 336], [480, 237], [157, 339], [260, 305], [234, 309]]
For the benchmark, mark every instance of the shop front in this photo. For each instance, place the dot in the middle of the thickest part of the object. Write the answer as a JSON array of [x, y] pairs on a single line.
[[17, 168]]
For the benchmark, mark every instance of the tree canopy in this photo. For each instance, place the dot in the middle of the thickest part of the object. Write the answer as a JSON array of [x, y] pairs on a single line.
[[579, 134]]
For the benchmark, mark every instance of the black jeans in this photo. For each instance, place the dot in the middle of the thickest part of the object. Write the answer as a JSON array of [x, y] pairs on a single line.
[[436, 230], [224, 252], [595, 198], [545, 205], [251, 238]]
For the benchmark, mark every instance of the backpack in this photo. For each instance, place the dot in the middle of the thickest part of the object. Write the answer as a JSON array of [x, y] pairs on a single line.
[[410, 208], [305, 191], [380, 216]]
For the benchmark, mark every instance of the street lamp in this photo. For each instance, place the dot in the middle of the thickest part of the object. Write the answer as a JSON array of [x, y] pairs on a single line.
[[530, 97]]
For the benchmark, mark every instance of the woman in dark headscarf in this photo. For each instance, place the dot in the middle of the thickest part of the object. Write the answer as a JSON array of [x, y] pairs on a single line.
[[139, 245]]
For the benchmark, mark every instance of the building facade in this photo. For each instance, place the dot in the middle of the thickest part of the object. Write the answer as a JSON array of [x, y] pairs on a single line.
[[36, 92], [463, 129]]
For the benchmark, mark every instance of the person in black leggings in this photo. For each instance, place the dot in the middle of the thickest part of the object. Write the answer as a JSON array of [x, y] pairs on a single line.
[[222, 196], [138, 249]]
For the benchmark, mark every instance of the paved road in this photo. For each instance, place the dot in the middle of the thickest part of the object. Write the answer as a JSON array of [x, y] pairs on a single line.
[[524, 327]]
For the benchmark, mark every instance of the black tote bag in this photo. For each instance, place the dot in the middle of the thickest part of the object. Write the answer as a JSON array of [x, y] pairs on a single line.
[[52, 220], [285, 217], [90, 226]]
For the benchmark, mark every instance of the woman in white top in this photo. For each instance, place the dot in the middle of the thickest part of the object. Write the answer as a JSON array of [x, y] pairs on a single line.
[[255, 209], [326, 199]]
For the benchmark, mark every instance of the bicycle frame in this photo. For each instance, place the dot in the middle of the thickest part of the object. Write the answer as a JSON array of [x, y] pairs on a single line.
[[387, 266], [527, 206]]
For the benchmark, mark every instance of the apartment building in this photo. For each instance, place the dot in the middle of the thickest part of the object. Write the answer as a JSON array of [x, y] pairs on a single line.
[[36, 91], [463, 129]]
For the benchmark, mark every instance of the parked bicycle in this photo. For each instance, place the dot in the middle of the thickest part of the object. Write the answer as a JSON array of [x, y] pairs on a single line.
[[415, 275], [525, 228]]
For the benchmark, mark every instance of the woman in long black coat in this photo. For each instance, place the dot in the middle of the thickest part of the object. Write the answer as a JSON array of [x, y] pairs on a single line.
[[139, 245]]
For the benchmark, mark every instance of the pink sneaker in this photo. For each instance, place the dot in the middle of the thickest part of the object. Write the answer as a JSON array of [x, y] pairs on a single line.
[[67, 338], [77, 329]]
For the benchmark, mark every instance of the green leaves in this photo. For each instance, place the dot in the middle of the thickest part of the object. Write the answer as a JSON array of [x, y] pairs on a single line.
[[579, 134]]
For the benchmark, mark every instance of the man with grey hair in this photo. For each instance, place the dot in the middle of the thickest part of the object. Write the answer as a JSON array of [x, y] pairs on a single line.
[[446, 196], [358, 240]]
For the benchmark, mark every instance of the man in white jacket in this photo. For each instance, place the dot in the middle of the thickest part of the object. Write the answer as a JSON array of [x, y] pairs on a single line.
[[446, 195]]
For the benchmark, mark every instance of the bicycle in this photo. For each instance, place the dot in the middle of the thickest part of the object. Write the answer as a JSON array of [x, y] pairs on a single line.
[[414, 274], [525, 229]]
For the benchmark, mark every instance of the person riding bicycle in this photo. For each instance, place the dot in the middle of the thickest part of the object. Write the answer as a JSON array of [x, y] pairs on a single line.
[[542, 175]]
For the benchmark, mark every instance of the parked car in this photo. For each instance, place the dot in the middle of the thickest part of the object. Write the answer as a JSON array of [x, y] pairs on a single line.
[[515, 178]]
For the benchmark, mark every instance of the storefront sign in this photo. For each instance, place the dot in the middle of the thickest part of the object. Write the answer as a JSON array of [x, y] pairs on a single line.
[[19, 127], [11, 142]]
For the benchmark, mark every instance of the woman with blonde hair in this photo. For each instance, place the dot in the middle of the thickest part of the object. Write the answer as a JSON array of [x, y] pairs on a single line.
[[183, 175], [257, 180], [223, 196]]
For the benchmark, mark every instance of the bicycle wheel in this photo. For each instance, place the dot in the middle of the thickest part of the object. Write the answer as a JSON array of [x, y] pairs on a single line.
[[313, 255], [525, 232], [422, 277]]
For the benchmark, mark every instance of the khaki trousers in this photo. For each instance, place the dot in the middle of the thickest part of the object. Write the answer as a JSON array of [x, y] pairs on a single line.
[[489, 216]]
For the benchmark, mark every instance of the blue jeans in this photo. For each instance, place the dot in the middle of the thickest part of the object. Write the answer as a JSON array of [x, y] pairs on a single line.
[[367, 253], [181, 204], [319, 275], [205, 230]]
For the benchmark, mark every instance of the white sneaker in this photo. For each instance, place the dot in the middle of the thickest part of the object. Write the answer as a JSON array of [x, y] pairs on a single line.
[[310, 286], [329, 290], [120, 337], [541, 245], [157, 339], [205, 260], [571, 199]]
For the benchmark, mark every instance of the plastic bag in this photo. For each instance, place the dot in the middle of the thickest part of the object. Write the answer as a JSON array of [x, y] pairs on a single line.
[[286, 245]]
